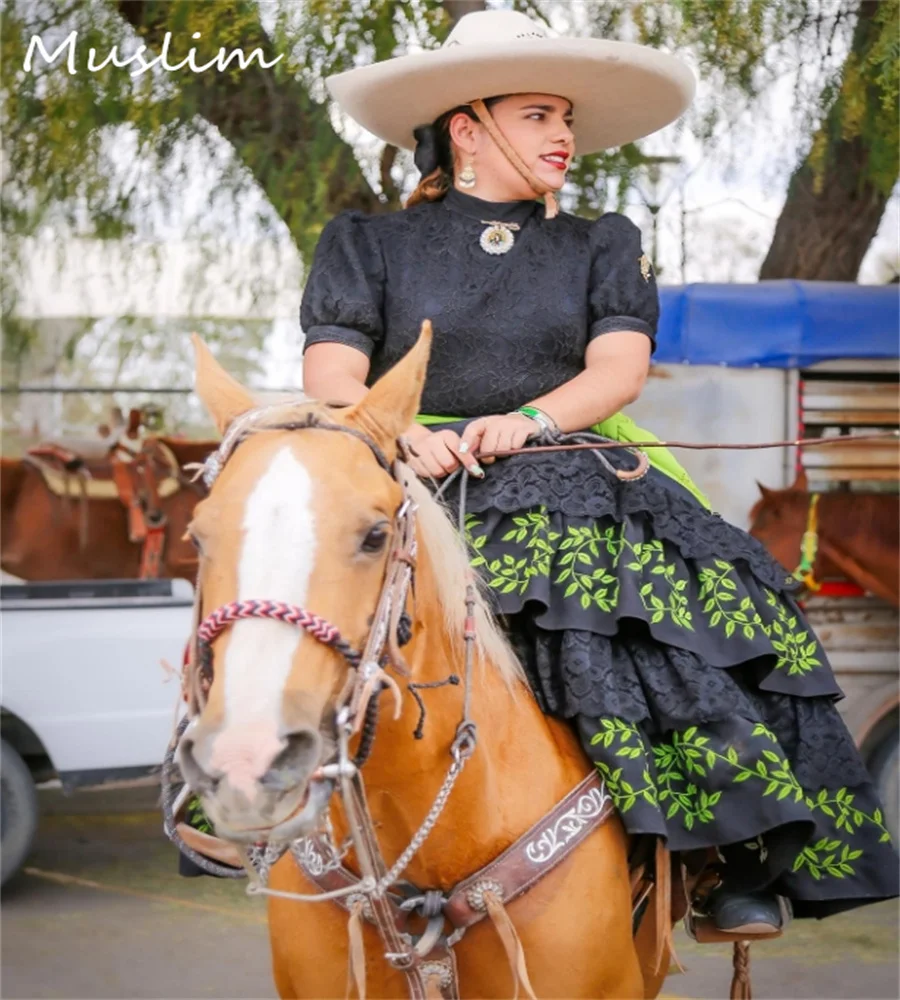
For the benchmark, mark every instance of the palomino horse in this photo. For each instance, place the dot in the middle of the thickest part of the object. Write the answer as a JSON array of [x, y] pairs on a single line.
[[70, 523], [858, 537], [303, 515]]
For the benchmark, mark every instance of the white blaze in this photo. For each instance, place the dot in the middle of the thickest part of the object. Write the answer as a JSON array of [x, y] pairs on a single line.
[[276, 562]]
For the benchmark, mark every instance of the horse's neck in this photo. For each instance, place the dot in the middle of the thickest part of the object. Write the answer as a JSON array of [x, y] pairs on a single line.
[[524, 763], [847, 515]]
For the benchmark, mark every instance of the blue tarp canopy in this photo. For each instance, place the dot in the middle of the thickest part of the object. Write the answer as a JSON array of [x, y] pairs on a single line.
[[777, 324]]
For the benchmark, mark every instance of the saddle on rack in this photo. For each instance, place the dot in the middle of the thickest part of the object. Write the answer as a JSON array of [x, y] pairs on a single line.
[[139, 478]]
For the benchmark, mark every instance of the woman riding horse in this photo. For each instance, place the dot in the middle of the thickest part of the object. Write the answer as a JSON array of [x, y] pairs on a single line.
[[668, 637]]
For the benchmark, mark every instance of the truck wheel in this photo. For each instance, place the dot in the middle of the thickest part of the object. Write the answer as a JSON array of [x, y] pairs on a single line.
[[18, 811], [884, 765]]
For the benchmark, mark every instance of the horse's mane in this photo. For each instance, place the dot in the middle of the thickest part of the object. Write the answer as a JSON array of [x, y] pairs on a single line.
[[439, 537], [447, 549]]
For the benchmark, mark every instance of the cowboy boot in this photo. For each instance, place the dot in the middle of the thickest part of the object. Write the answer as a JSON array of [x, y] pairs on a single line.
[[750, 913]]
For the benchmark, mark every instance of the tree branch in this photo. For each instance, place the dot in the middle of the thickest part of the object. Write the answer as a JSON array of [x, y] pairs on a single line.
[[835, 203], [267, 115]]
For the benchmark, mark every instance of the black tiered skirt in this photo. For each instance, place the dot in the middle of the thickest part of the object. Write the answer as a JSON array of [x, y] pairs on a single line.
[[673, 643]]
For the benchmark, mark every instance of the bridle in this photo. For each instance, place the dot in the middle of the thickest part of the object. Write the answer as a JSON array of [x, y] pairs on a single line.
[[356, 707]]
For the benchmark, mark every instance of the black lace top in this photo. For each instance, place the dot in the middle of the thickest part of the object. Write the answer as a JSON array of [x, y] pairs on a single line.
[[507, 328]]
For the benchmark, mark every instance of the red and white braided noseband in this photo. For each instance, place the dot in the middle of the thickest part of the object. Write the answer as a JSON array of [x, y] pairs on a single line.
[[217, 621]]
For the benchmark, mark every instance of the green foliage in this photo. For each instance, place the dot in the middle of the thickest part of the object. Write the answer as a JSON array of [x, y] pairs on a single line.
[[107, 154], [863, 103]]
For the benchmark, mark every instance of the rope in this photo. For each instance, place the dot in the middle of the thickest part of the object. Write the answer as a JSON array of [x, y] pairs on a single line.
[[414, 689], [217, 621], [601, 444], [369, 727], [551, 205], [740, 984]]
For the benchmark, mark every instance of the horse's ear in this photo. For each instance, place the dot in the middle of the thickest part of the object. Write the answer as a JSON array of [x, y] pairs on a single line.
[[764, 490], [801, 483], [223, 396], [392, 403]]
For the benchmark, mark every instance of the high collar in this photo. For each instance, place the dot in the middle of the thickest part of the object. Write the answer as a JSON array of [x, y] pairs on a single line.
[[490, 211]]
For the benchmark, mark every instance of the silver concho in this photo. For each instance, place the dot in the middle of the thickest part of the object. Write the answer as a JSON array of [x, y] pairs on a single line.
[[498, 238], [441, 970], [475, 894], [357, 898]]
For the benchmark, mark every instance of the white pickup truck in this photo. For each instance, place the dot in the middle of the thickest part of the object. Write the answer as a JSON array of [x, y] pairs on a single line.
[[85, 697]]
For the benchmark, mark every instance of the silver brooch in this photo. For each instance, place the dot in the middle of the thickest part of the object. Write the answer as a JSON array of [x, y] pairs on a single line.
[[498, 238]]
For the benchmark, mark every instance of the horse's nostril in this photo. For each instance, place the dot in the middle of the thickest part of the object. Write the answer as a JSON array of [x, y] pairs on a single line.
[[295, 762], [193, 774]]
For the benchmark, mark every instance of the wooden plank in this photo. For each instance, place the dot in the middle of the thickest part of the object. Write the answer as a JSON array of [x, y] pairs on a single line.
[[859, 633], [861, 455], [864, 365], [850, 418], [837, 386], [849, 395], [863, 661], [851, 636], [842, 474]]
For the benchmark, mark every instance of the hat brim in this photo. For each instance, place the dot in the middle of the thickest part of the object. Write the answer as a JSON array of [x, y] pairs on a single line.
[[620, 92]]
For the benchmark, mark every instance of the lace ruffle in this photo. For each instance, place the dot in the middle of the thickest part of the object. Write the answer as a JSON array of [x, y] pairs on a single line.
[[575, 484]]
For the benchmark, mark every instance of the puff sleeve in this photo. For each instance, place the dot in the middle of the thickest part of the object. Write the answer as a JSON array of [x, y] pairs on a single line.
[[623, 293], [343, 298]]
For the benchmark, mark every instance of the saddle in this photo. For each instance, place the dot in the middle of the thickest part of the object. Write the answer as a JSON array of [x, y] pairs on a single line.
[[139, 478]]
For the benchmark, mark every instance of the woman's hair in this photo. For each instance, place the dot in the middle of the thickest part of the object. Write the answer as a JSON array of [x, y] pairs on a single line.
[[434, 154]]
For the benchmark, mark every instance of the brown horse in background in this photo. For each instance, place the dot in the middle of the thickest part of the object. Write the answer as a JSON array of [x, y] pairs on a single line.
[[78, 535], [858, 534]]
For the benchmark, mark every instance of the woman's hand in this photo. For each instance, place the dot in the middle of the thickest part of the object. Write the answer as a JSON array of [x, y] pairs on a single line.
[[438, 453], [504, 432]]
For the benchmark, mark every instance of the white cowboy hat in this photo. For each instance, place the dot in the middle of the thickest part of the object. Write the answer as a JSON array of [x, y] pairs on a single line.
[[619, 91]]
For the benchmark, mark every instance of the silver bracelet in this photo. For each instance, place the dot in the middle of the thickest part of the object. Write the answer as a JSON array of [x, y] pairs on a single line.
[[544, 420]]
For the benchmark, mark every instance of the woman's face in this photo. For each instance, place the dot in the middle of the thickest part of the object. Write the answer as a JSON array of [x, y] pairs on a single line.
[[538, 126]]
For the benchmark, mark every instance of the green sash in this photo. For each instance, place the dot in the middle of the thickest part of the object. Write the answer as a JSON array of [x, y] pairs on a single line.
[[618, 427]]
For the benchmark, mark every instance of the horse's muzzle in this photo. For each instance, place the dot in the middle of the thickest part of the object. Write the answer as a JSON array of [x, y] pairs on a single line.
[[249, 792]]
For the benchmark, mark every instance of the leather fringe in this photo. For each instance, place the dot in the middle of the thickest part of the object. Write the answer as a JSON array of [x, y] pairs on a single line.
[[512, 944], [433, 988], [356, 963], [665, 944]]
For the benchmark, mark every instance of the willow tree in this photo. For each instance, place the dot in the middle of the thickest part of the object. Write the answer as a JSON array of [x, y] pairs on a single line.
[[105, 153]]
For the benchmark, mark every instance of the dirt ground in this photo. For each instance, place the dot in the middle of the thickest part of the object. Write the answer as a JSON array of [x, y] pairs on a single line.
[[100, 911]]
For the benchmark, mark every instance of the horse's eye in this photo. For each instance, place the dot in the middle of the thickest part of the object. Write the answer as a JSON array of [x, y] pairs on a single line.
[[375, 539]]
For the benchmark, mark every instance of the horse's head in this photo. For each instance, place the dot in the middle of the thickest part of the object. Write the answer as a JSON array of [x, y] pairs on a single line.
[[303, 516], [778, 520]]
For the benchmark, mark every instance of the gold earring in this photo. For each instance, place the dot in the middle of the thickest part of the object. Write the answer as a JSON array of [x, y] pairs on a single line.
[[467, 176]]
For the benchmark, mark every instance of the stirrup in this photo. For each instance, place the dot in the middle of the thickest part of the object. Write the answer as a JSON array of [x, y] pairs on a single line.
[[702, 927]]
